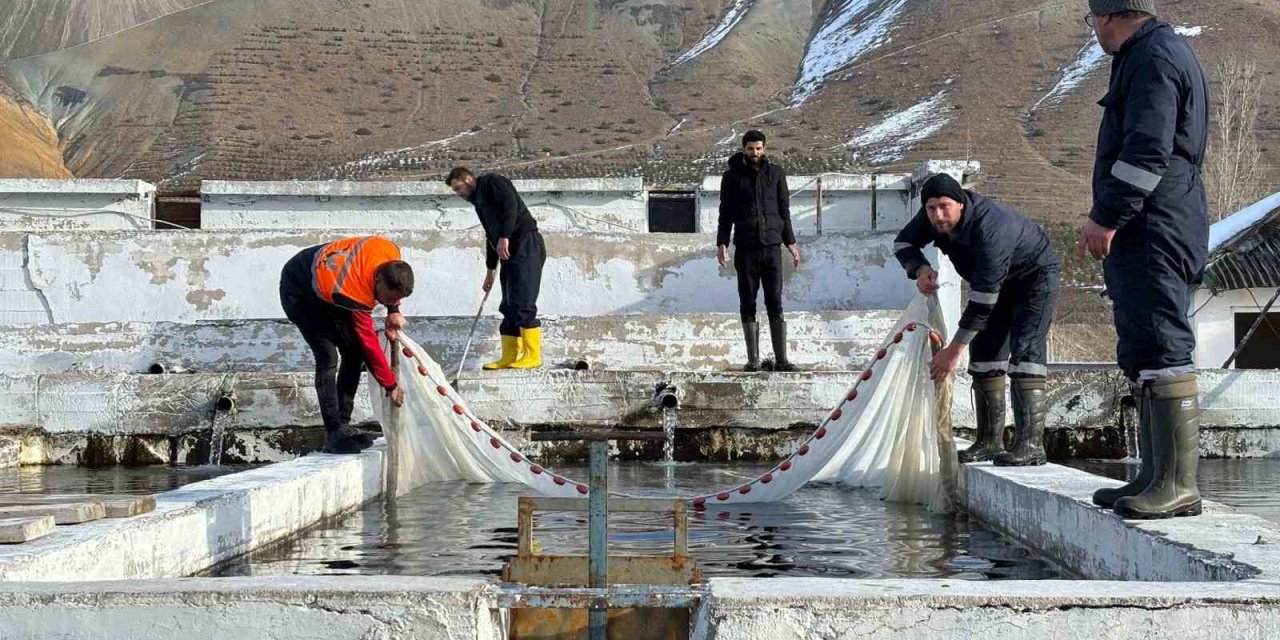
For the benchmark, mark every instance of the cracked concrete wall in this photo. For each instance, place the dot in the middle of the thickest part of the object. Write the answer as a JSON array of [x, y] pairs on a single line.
[[699, 342], [193, 276], [253, 609], [82, 204], [607, 205], [203, 523], [831, 609], [1050, 508]]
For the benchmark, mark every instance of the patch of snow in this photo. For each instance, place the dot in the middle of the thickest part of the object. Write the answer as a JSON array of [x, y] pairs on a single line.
[[889, 139], [1189, 32], [1228, 228], [673, 130], [731, 18], [729, 139], [851, 29], [1090, 58]]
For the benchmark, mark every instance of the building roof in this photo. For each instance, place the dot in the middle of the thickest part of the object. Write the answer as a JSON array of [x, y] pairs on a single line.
[[1244, 248]]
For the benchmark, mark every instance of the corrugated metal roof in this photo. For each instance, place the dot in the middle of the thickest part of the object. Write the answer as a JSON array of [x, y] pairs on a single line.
[[1251, 260]]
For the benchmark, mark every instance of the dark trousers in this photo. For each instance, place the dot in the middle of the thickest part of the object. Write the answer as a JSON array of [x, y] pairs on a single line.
[[759, 266], [521, 280], [1156, 262], [1017, 334], [340, 359]]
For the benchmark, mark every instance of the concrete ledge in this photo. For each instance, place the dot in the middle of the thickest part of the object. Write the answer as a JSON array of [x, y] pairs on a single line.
[[203, 523], [746, 609], [1050, 509], [686, 342], [252, 609]]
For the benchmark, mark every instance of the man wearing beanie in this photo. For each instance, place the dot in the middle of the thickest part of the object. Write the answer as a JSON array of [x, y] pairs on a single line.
[[1013, 285], [1150, 226]]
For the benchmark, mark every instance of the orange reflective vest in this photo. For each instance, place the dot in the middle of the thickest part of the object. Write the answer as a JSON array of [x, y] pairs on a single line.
[[343, 273]]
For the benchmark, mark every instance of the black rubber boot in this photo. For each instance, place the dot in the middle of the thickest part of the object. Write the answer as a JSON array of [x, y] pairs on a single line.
[[1175, 445], [778, 335], [1107, 497], [1028, 421], [359, 436], [988, 406], [336, 442], [751, 331]]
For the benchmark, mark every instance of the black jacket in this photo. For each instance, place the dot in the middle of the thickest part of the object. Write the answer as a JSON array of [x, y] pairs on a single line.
[[1155, 125], [502, 214], [757, 203], [993, 243]]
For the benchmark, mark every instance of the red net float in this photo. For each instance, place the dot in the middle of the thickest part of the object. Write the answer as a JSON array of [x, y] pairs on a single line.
[[786, 464], [897, 338], [408, 353], [911, 327], [535, 470], [440, 389], [699, 502], [475, 426], [935, 339], [803, 450], [582, 488], [744, 489], [422, 370], [558, 480], [837, 414], [853, 395], [820, 433], [515, 457], [493, 442], [882, 354], [457, 408], [766, 478], [722, 496], [866, 375]]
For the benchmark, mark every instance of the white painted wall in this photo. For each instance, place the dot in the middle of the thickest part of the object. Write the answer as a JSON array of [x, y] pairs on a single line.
[[1215, 323], [609, 205], [42, 205], [846, 203], [183, 276]]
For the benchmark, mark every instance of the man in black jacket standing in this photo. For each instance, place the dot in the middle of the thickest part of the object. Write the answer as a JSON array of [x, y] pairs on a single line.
[[1150, 226], [512, 239], [756, 208], [1013, 286]]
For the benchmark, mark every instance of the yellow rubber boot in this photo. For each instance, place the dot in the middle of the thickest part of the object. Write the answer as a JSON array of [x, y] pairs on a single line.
[[531, 357], [510, 353]]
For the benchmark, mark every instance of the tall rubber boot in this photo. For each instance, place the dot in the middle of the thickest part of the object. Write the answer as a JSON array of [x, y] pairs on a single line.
[[1107, 497], [510, 353], [751, 331], [1175, 443], [988, 406], [778, 335], [531, 347], [1028, 421]]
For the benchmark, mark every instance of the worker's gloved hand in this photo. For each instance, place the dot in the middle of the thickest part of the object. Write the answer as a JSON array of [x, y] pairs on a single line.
[[927, 280], [395, 323], [397, 396]]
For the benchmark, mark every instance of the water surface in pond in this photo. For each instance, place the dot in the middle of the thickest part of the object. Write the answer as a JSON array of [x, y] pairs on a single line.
[[1252, 486], [131, 480]]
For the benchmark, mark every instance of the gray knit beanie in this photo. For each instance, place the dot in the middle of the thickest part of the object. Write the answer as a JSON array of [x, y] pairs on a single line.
[[1103, 7]]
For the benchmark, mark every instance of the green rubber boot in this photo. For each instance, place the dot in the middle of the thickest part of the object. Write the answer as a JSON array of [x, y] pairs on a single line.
[[1028, 421], [988, 407], [1107, 497], [1175, 443]]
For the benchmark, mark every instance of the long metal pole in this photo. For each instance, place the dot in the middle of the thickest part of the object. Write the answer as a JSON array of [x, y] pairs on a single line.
[[470, 335], [598, 533]]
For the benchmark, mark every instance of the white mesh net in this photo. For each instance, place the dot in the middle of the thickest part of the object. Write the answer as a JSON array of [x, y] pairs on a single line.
[[886, 432]]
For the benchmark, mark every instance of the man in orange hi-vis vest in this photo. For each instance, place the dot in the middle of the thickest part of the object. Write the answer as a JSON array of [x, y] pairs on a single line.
[[329, 291]]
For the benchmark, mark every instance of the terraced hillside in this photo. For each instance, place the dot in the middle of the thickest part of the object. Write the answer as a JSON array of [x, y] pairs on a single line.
[[174, 91]]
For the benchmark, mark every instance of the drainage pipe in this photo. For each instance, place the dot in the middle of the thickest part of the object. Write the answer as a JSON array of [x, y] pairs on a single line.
[[666, 397], [226, 402]]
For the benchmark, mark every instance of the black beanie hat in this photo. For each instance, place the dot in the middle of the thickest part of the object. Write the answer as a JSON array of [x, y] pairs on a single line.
[[941, 185]]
